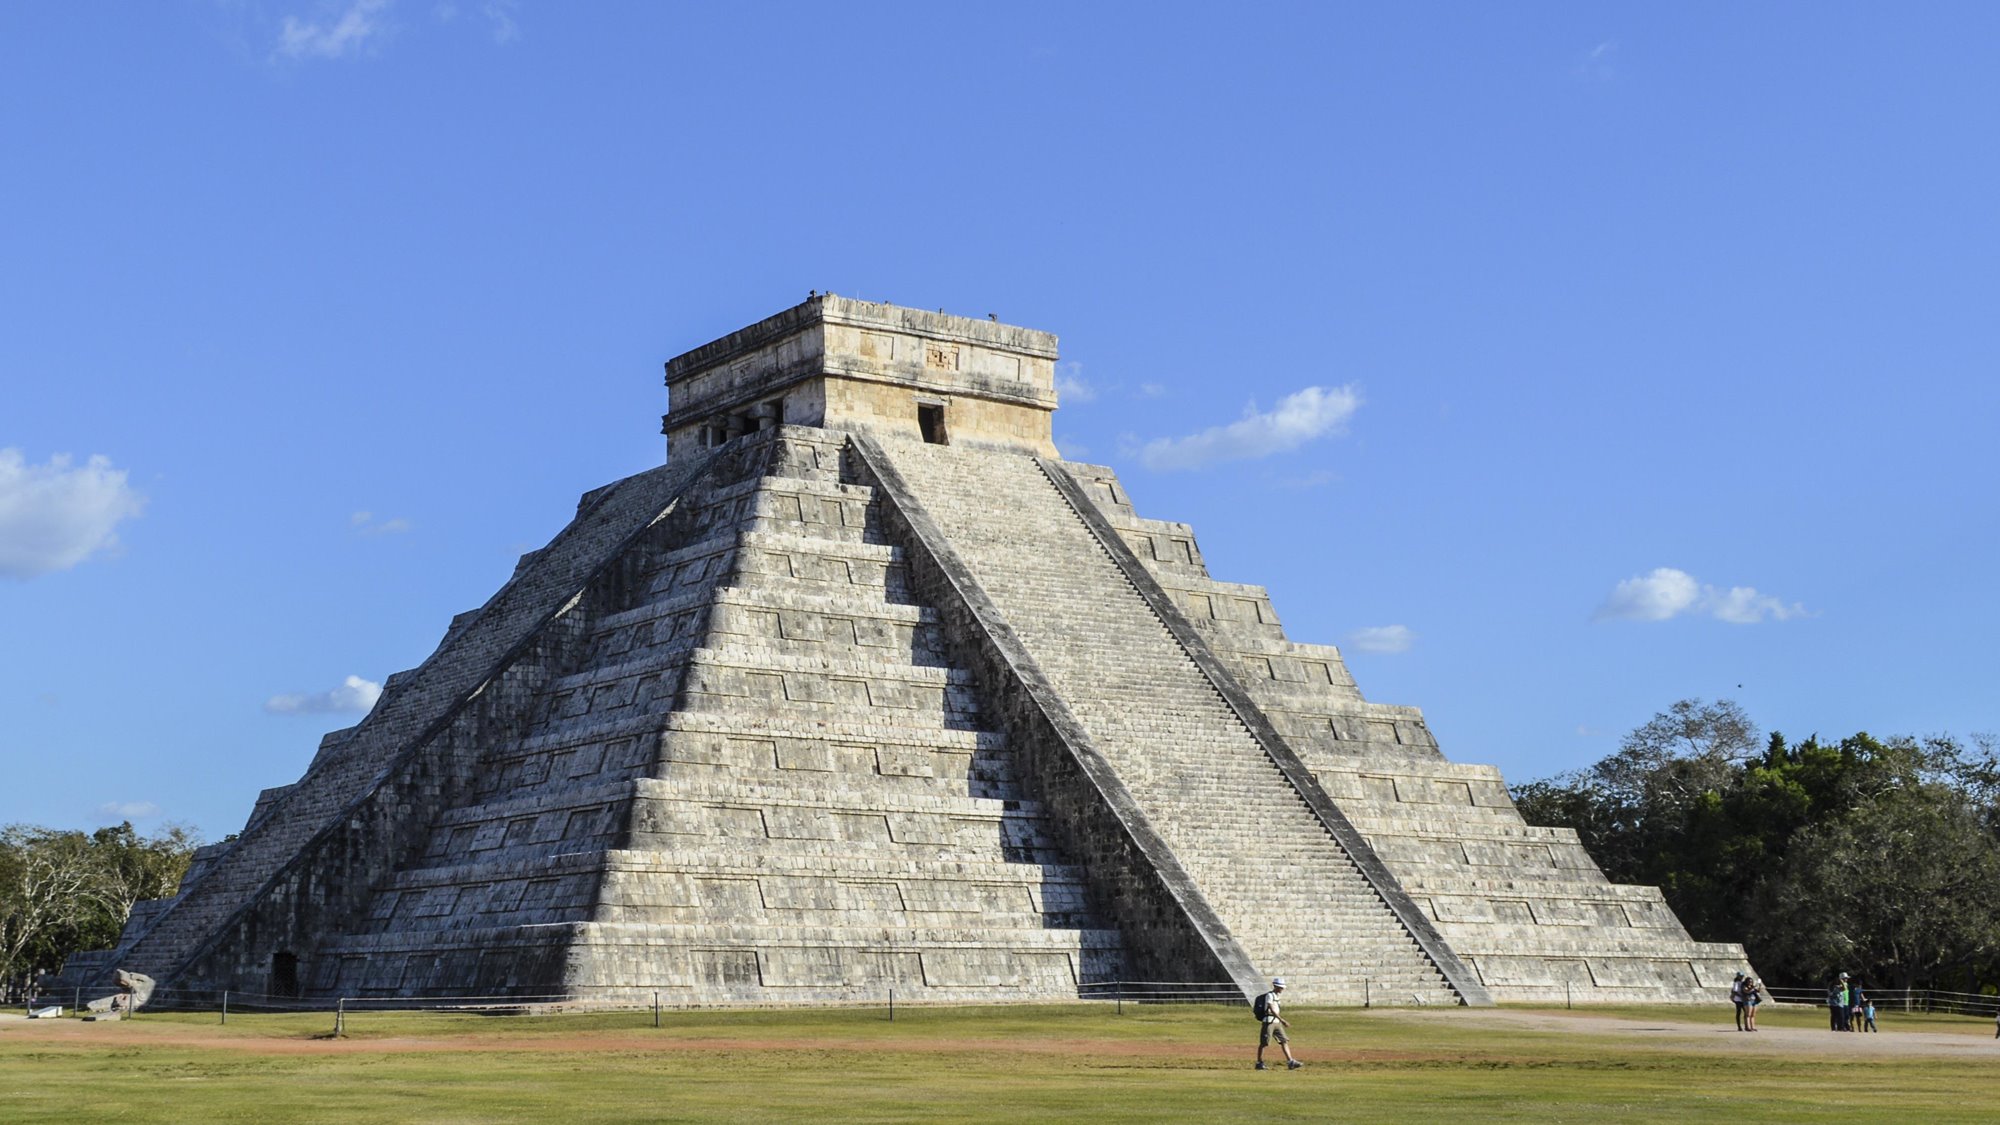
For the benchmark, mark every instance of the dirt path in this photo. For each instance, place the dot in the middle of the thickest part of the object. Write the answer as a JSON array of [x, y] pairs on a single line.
[[141, 1032], [1666, 1035], [1723, 1036]]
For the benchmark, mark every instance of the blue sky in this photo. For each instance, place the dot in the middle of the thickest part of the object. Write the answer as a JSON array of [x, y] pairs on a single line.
[[1563, 360]]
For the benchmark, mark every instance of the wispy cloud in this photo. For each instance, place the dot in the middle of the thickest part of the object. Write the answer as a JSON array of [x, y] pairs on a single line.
[[56, 515], [1599, 63], [1743, 605], [354, 694], [1071, 450], [1666, 593], [338, 31], [365, 523], [1071, 389], [500, 19], [1298, 418], [1382, 638], [128, 810]]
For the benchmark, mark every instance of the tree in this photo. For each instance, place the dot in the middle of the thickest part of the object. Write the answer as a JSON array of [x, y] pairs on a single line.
[[1689, 749], [1905, 887], [62, 892], [50, 881], [134, 868], [1656, 812], [1868, 854]]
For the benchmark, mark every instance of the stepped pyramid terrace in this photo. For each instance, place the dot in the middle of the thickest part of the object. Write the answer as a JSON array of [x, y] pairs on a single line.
[[864, 688]]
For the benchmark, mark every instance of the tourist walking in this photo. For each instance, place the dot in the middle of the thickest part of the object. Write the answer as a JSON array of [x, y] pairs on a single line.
[[1272, 1025], [1857, 1001], [1737, 998], [1868, 1012]]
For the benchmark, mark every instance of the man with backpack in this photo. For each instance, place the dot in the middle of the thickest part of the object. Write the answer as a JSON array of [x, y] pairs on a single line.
[[1272, 1026]]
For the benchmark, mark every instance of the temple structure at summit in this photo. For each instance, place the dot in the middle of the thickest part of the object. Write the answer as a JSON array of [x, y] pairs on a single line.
[[865, 688]]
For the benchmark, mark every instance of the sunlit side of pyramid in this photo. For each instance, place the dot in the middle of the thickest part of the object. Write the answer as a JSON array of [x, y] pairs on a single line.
[[864, 690]]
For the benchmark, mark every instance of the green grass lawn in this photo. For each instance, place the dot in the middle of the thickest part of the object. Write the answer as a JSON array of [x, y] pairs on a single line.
[[964, 1064]]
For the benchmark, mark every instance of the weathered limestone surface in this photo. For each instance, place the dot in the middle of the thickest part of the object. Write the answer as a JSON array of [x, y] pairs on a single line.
[[857, 365], [1287, 892], [308, 854], [1526, 906], [764, 783], [861, 692], [740, 768]]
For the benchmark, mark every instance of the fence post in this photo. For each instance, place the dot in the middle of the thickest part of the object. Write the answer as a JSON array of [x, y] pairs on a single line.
[[1367, 993], [892, 1003], [1566, 997], [340, 1016], [656, 1009], [225, 1005]]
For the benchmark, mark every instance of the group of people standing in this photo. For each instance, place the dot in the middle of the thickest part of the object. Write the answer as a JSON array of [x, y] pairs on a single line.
[[1848, 1006], [1746, 993]]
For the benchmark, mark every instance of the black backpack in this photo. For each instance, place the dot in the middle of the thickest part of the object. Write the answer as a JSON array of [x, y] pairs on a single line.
[[1261, 1006]]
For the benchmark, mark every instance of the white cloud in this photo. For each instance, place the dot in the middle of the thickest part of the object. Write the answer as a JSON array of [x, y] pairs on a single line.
[[1743, 605], [1071, 450], [353, 694], [1070, 386], [1152, 390], [344, 31], [1298, 418], [500, 17], [1382, 638], [1666, 592], [54, 516], [128, 810], [364, 523]]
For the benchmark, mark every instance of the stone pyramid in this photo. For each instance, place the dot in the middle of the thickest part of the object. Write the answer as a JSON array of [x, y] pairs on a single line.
[[863, 689]]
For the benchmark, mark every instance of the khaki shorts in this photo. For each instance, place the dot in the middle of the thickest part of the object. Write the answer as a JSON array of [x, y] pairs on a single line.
[[1273, 1032]]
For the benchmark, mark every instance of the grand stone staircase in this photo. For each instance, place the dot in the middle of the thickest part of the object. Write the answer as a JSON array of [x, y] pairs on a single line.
[[1295, 901], [1524, 906]]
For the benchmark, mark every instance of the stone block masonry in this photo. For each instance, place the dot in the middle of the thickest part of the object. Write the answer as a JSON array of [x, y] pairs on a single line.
[[863, 692], [1525, 908]]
